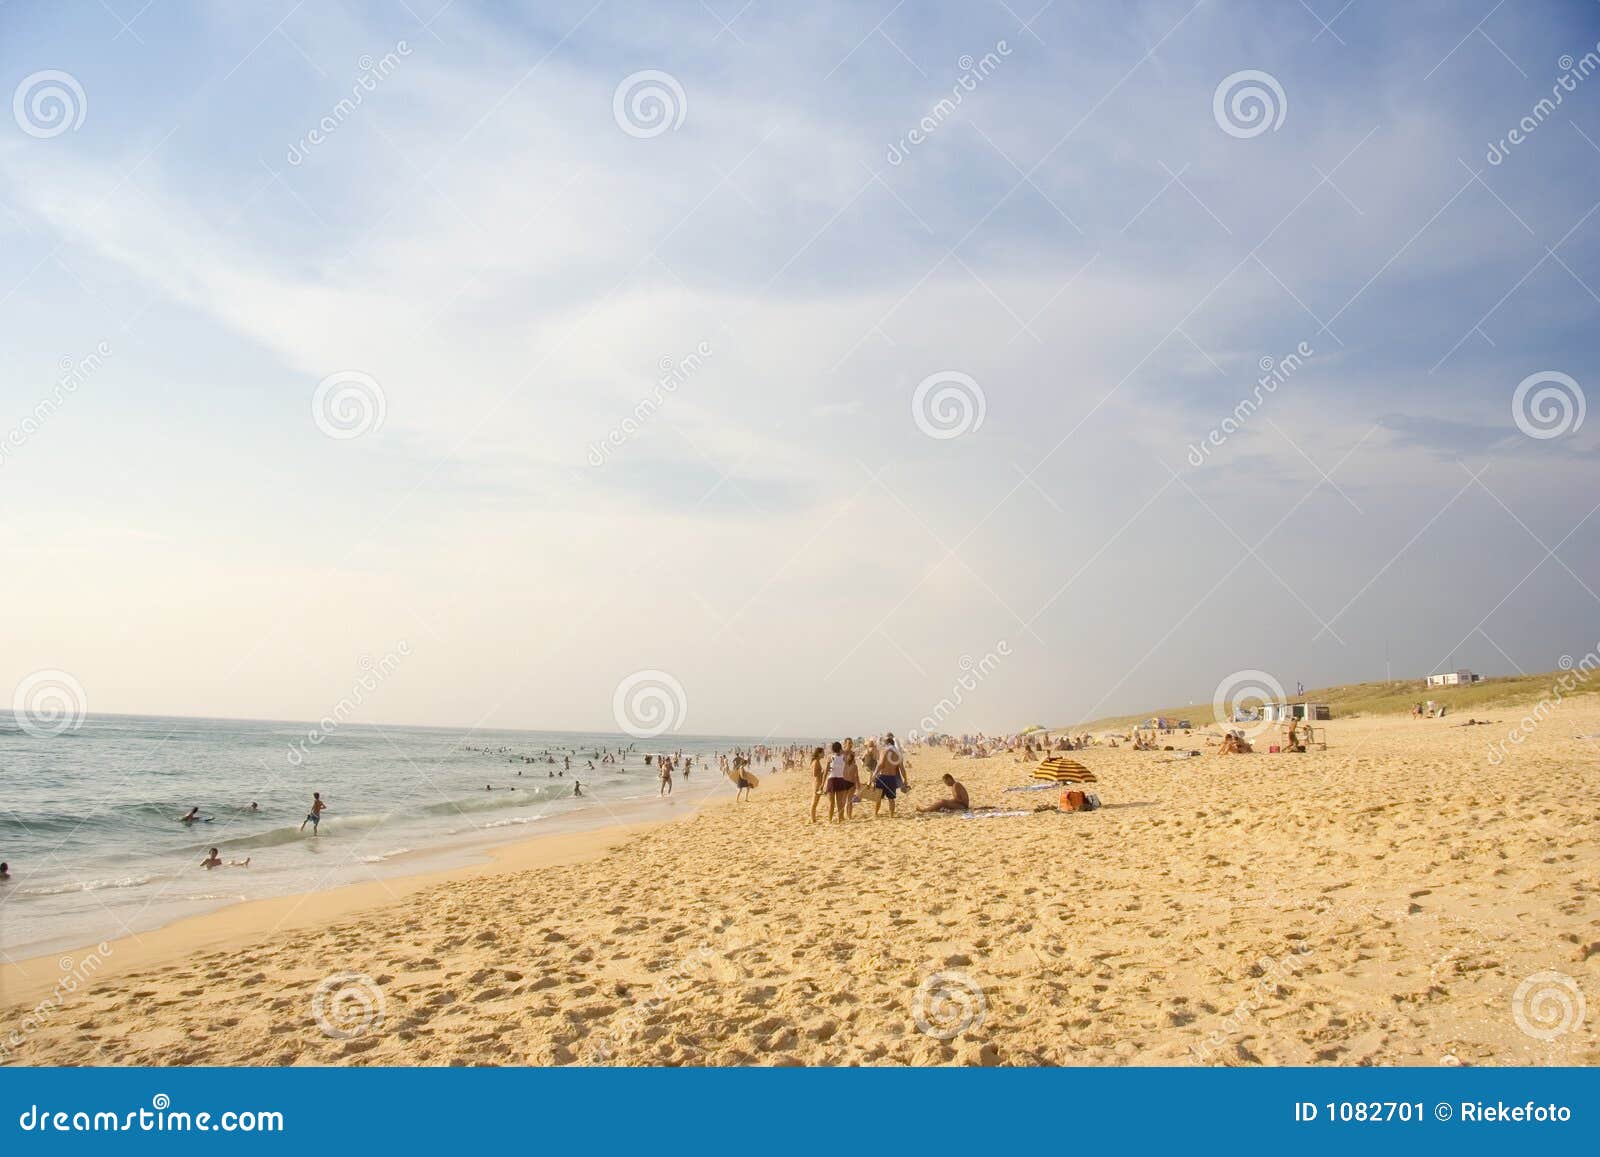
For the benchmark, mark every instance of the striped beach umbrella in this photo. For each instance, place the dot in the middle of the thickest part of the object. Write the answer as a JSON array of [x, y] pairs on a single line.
[[1059, 769]]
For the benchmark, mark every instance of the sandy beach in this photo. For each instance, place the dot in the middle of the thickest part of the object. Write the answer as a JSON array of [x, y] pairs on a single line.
[[1395, 899]]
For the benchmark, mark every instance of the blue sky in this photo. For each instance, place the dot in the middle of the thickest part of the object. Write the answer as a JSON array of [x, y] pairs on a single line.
[[1081, 238]]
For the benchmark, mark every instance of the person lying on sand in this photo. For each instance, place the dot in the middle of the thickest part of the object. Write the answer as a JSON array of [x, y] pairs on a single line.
[[958, 801], [213, 860]]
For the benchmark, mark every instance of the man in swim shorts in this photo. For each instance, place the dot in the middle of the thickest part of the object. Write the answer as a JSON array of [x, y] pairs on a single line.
[[891, 777], [314, 816]]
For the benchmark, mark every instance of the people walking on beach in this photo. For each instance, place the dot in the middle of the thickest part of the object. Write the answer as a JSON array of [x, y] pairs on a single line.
[[314, 816], [666, 777], [958, 801]]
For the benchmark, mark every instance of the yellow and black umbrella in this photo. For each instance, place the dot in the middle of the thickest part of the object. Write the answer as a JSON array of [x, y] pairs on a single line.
[[1059, 769]]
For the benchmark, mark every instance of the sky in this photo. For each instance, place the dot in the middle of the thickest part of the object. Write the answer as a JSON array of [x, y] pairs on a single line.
[[792, 370]]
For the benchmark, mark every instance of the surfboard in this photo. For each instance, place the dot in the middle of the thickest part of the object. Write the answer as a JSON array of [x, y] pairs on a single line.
[[749, 776]]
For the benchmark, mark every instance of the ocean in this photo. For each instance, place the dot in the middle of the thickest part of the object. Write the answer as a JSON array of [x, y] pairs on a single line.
[[89, 819]]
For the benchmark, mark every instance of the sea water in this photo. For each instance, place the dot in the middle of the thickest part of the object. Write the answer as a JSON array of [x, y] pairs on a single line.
[[89, 819]]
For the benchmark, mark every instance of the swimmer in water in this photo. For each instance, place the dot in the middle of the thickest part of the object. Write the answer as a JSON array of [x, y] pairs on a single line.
[[255, 807], [190, 817], [213, 860], [5, 873]]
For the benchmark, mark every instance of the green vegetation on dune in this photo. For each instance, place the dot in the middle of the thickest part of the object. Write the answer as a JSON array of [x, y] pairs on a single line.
[[1388, 698]]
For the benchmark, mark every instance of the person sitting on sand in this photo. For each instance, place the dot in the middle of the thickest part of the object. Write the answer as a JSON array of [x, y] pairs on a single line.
[[1234, 743], [213, 860], [958, 801]]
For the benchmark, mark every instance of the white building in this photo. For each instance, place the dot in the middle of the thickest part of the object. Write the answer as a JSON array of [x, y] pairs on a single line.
[[1454, 678]]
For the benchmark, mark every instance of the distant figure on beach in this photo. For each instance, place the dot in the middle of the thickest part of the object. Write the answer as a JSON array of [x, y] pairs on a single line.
[[1234, 743], [314, 816], [191, 816], [213, 860], [666, 777], [958, 801], [577, 788], [818, 777]]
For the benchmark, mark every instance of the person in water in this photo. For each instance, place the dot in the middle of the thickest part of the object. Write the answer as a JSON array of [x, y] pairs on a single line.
[[314, 816], [577, 788], [5, 873], [191, 816], [213, 860]]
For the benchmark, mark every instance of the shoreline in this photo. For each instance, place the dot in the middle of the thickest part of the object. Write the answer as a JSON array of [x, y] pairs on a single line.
[[31, 978]]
